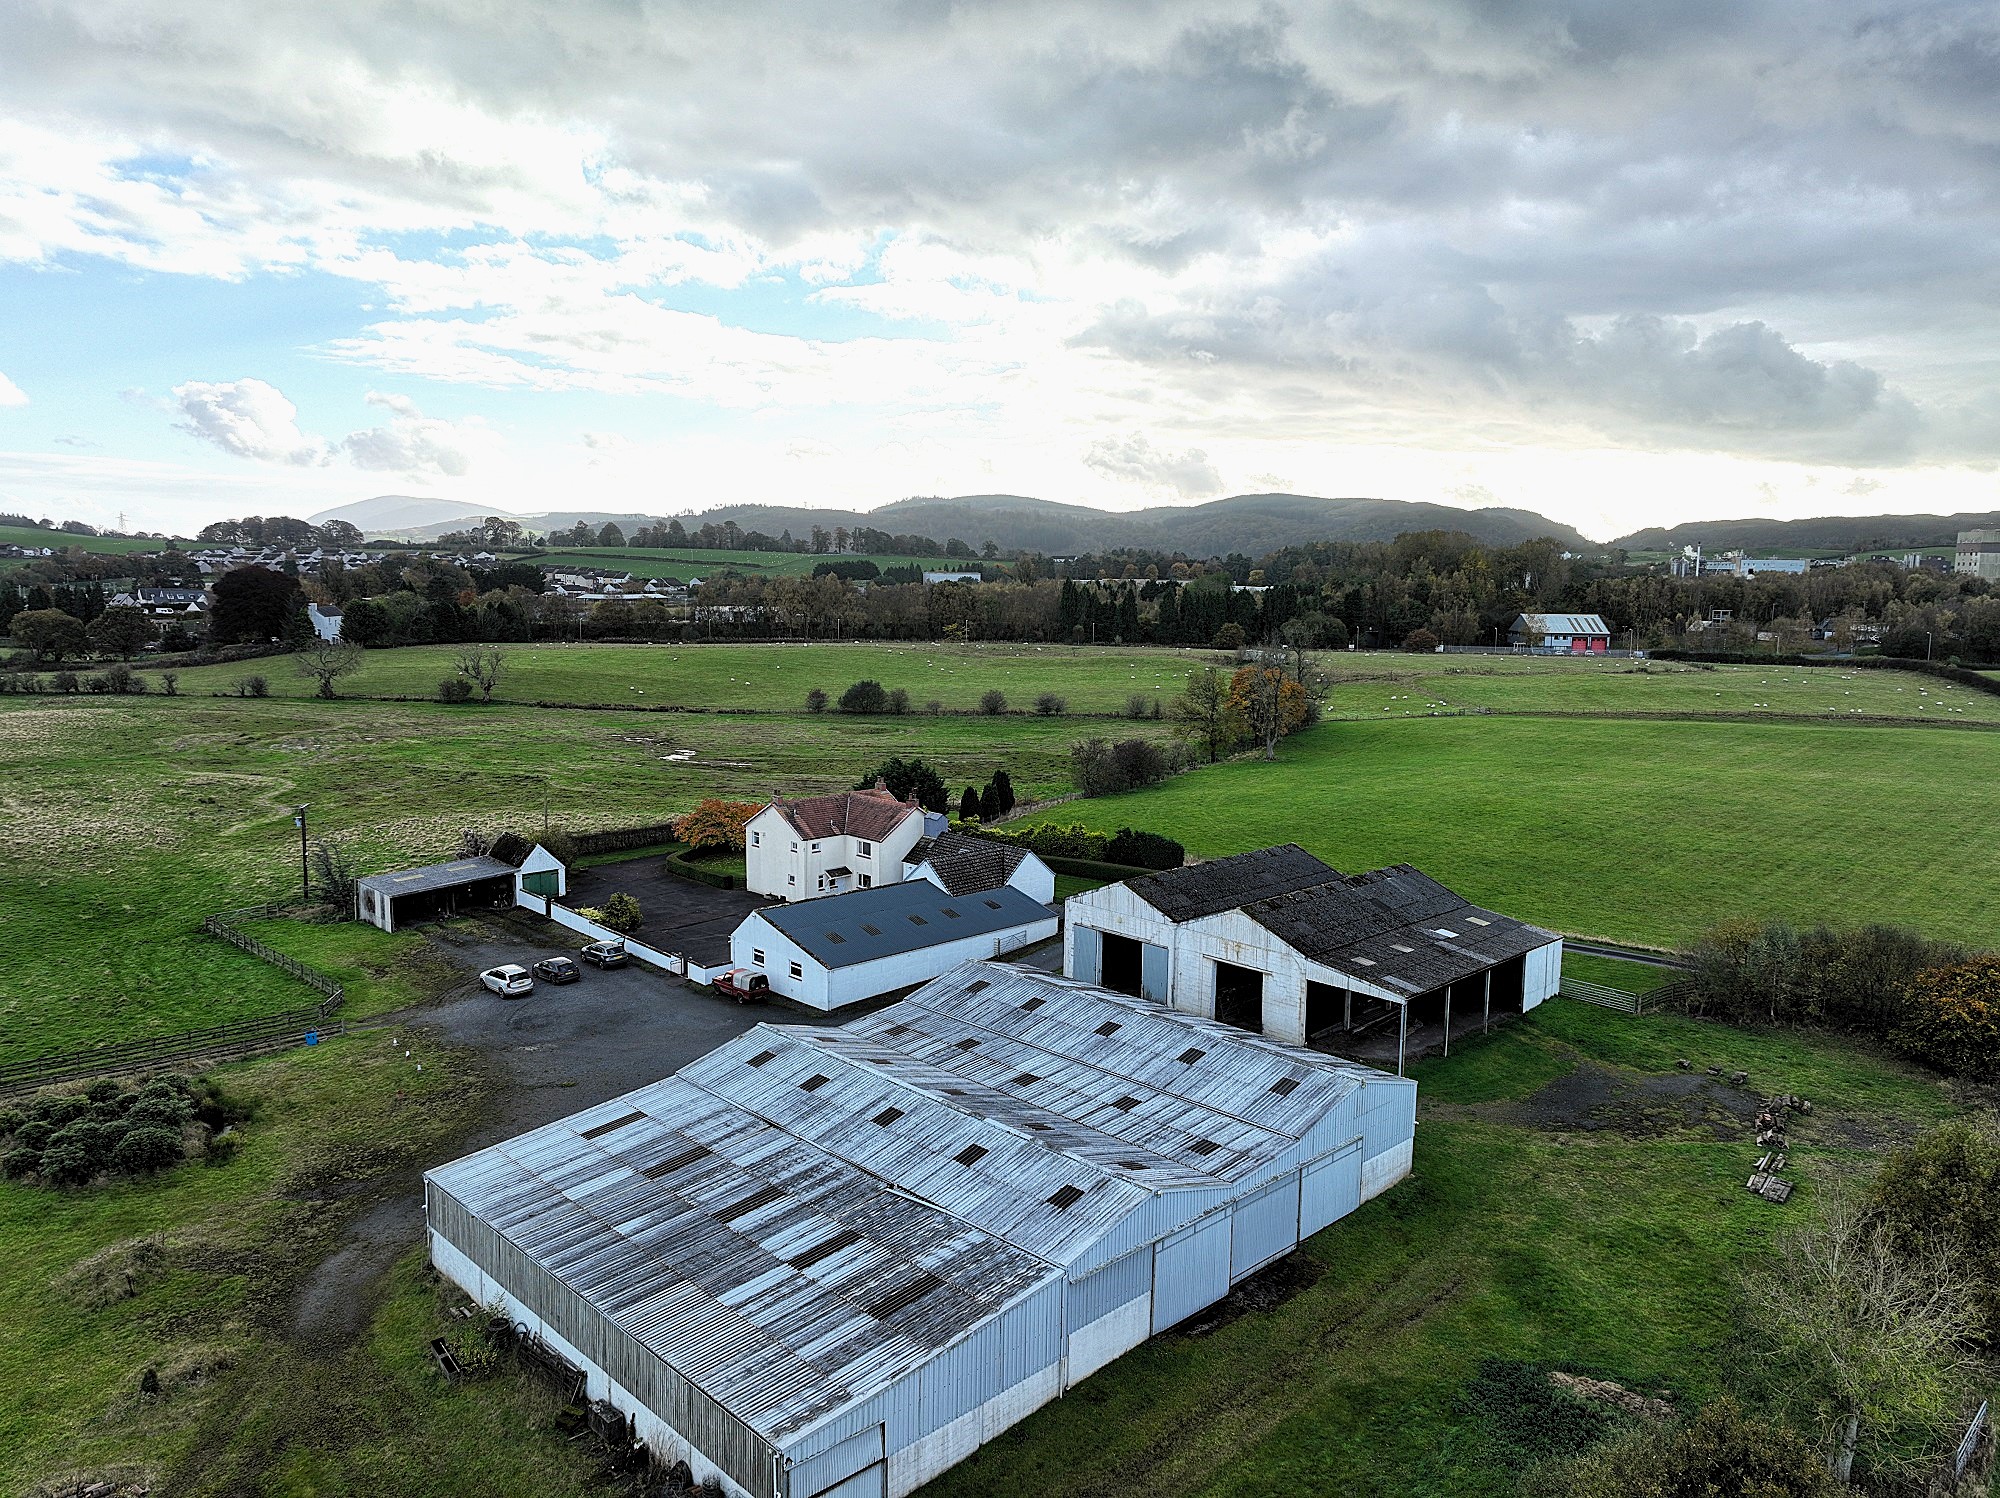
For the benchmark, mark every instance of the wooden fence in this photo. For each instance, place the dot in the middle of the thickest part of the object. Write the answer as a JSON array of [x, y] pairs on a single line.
[[214, 1043]]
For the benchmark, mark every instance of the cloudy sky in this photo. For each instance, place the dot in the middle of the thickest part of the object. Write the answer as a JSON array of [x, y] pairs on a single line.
[[1623, 263]]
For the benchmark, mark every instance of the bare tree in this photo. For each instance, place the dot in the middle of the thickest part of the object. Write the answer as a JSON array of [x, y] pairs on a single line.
[[481, 665], [326, 661], [1871, 1344]]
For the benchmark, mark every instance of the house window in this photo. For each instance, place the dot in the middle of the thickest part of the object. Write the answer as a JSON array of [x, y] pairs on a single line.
[[797, 971], [815, 847], [866, 850], [791, 878], [757, 956], [795, 847], [756, 839], [867, 881]]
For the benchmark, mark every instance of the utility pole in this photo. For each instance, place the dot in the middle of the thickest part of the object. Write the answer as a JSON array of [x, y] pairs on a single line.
[[305, 878]]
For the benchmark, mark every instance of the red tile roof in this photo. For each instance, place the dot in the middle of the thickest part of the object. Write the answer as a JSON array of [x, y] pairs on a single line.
[[869, 814]]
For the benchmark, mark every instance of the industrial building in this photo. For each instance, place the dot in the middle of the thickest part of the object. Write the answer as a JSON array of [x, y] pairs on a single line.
[[830, 1263], [846, 948], [1276, 942], [1977, 555]]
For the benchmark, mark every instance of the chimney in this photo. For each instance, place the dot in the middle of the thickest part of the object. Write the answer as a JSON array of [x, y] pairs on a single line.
[[881, 784]]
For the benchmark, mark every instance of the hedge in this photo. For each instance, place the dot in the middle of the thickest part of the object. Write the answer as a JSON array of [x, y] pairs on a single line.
[[1958, 675], [684, 867], [1091, 868]]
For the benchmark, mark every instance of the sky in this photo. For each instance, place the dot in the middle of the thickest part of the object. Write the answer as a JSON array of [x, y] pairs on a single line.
[[1624, 264]]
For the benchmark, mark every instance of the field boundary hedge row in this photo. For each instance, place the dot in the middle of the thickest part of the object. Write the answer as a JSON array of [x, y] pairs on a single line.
[[1957, 675]]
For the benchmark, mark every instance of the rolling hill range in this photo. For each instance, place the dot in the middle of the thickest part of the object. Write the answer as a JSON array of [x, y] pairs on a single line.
[[1845, 533], [1247, 523]]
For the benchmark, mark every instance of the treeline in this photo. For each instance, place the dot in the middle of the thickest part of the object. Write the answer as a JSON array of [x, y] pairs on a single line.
[[278, 530], [671, 535]]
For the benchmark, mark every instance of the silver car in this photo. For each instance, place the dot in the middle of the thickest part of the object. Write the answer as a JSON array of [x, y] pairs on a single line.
[[509, 980]]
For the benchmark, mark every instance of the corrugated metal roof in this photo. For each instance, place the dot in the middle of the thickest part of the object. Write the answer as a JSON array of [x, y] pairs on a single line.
[[1565, 624], [1396, 927], [841, 930], [438, 876], [1200, 889], [765, 1221]]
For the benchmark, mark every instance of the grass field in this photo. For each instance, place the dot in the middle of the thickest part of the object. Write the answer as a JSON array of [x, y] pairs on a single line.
[[1632, 831], [166, 809], [22, 535], [776, 678]]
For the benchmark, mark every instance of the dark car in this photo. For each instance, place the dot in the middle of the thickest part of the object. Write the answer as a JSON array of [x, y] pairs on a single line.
[[605, 954], [557, 970]]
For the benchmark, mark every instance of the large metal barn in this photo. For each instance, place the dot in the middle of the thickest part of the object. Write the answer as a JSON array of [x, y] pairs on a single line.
[[831, 1262]]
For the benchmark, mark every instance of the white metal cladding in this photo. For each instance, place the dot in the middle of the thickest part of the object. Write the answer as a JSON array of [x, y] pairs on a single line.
[[1329, 1188], [1190, 1270], [870, 1482], [1103, 1291], [1153, 972], [812, 1232], [1087, 953], [843, 1459], [1264, 1226]]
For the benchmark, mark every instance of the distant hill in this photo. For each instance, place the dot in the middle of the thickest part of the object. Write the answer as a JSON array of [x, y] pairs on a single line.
[[1844, 533], [1249, 523]]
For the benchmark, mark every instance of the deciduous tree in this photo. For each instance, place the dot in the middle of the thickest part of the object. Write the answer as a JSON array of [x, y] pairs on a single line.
[[715, 823], [326, 661], [50, 633], [1205, 715]]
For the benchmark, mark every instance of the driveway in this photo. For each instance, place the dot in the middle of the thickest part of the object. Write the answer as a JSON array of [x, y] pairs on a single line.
[[560, 1050], [681, 915]]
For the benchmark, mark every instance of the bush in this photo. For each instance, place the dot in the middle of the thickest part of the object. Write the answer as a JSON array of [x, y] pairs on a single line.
[[993, 702], [1100, 768], [1144, 850], [454, 689], [622, 914], [899, 701], [908, 780], [934, 708], [816, 701], [1230, 637], [147, 1149], [1073, 841], [1951, 1018], [1773, 974], [1139, 705], [865, 697], [1421, 642], [511, 847], [170, 684], [64, 681], [1720, 1453], [1049, 705], [121, 680], [252, 686], [716, 823], [1944, 1192]]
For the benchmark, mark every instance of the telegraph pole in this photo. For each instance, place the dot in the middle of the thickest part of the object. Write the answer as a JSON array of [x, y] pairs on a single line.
[[305, 878]]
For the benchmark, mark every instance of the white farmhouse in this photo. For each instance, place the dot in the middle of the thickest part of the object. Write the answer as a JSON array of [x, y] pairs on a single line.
[[829, 845], [1279, 943]]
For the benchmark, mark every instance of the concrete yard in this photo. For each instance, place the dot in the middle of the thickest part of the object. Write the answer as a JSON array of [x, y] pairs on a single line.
[[681, 915]]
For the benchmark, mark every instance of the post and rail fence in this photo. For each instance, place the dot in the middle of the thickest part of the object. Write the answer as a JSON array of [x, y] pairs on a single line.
[[210, 1044]]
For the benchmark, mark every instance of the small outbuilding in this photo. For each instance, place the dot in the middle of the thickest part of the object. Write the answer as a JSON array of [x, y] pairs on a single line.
[[961, 864], [846, 948], [434, 892]]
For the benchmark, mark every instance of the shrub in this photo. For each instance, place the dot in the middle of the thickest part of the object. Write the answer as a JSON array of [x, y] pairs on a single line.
[[934, 708], [454, 689], [146, 1149], [816, 701], [968, 805], [899, 701], [622, 914], [1720, 1453], [511, 847], [993, 702], [1420, 642], [1144, 850], [1050, 705], [1943, 1191], [1230, 637], [1073, 841], [1773, 974], [1951, 1018], [64, 681], [1101, 768], [252, 686], [866, 697], [715, 823], [19, 1161], [170, 684], [121, 680]]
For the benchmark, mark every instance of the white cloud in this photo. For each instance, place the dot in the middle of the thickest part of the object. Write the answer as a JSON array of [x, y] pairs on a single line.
[[1134, 459], [412, 443], [10, 393], [249, 419]]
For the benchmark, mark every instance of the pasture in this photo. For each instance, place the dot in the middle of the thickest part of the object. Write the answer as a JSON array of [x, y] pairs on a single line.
[[1635, 831]]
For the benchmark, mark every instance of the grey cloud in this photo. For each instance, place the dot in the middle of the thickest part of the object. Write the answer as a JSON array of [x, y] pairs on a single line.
[[1133, 459]]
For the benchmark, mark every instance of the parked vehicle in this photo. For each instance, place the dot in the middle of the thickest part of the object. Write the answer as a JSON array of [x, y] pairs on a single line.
[[605, 954], [557, 970], [745, 985], [509, 980]]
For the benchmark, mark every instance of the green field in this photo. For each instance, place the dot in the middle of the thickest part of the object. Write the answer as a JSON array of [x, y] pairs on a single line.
[[168, 808], [21, 535], [776, 678], [1632, 831]]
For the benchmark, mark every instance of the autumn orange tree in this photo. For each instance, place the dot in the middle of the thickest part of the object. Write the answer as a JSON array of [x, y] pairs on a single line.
[[716, 823], [1270, 703], [1951, 1019]]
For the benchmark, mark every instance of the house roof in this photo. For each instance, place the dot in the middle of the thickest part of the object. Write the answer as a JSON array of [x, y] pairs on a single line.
[[803, 1216], [1395, 928], [841, 930], [1200, 889], [1564, 624], [437, 876], [871, 814], [967, 864]]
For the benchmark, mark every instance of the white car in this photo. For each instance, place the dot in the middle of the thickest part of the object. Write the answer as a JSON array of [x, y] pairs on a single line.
[[510, 980]]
